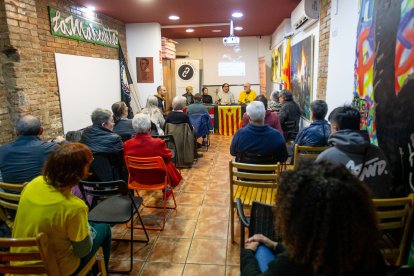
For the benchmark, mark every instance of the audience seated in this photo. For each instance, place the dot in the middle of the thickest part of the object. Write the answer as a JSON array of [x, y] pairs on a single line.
[[189, 98], [177, 115], [206, 98], [328, 227], [258, 138], [23, 159], [123, 125], [315, 135], [47, 206], [271, 118], [144, 145], [151, 108], [197, 107], [352, 148], [274, 103], [290, 111]]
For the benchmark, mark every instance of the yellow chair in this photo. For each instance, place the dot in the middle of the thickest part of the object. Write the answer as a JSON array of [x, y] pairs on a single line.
[[9, 201], [306, 152], [394, 217], [250, 186]]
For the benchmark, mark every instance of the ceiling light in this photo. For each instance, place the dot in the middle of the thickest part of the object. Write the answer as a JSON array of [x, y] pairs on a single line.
[[237, 14], [238, 28], [216, 31], [189, 30], [173, 17]]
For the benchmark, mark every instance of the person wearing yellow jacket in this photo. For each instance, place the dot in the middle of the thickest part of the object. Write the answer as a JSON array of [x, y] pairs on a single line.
[[247, 95]]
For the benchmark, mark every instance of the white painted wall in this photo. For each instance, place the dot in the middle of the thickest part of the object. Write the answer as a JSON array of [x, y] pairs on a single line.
[[344, 21], [144, 40], [210, 51]]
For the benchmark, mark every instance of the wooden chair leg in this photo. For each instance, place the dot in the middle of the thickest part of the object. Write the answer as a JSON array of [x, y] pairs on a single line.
[[97, 258], [232, 221]]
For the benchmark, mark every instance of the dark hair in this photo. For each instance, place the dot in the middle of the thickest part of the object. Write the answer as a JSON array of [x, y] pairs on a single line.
[[197, 97], [67, 164], [118, 109], [204, 88], [262, 99], [159, 88], [224, 85], [28, 125], [319, 109], [326, 219], [286, 94], [345, 117]]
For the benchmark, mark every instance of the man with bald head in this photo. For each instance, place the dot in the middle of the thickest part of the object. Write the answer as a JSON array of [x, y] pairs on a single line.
[[247, 95], [22, 160]]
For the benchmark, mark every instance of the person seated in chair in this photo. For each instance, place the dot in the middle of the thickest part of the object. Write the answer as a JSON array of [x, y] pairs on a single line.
[[271, 118], [290, 111], [257, 138], [155, 114], [123, 125], [197, 107], [247, 95], [23, 159], [274, 103], [47, 206], [206, 98], [189, 98], [177, 115], [328, 226], [317, 133], [144, 145]]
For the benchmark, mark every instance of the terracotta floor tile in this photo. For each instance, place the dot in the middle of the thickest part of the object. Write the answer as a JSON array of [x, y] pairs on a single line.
[[170, 250], [121, 250], [179, 228], [232, 270], [194, 199], [201, 252], [204, 270], [185, 212], [214, 212], [233, 253], [195, 187], [215, 198], [211, 229], [162, 269], [124, 265]]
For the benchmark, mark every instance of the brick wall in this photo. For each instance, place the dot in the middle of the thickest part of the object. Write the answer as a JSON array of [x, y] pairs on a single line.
[[28, 80], [324, 28]]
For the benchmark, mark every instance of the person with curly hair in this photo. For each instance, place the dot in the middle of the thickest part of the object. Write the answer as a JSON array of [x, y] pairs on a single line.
[[327, 224]]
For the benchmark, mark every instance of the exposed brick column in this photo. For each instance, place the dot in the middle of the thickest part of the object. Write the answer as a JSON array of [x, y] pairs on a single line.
[[324, 28]]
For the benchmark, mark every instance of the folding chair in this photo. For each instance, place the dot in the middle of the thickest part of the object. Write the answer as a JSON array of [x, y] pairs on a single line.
[[170, 143], [137, 166], [9, 201], [117, 206], [306, 152]]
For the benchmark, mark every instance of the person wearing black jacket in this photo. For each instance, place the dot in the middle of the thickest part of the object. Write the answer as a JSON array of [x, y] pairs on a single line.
[[290, 110]]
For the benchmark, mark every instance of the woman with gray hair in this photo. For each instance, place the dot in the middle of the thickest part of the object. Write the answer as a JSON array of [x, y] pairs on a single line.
[[155, 114], [274, 103], [123, 125], [144, 145], [177, 115]]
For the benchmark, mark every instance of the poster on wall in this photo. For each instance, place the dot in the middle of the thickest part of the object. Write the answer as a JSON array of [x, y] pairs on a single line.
[[277, 64], [301, 73], [187, 73], [145, 70], [384, 83]]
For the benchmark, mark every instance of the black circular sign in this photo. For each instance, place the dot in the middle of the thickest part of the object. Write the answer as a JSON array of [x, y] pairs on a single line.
[[185, 72]]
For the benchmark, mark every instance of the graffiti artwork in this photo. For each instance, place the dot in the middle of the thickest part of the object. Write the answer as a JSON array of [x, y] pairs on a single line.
[[384, 82], [301, 73]]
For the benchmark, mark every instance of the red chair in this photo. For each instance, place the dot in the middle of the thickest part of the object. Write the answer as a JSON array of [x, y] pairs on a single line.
[[138, 166]]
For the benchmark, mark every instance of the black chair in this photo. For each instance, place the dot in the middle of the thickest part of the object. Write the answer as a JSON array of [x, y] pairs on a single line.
[[169, 141], [108, 167], [116, 205], [125, 136], [261, 221], [290, 130]]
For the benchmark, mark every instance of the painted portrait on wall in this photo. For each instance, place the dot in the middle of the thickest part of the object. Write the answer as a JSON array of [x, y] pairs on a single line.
[[301, 61], [277, 62], [384, 82], [145, 70]]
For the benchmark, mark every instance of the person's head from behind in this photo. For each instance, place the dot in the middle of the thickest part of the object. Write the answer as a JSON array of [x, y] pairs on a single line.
[[205, 91], [344, 117], [178, 103], [256, 112], [189, 89], [66, 165], [319, 109], [120, 110], [152, 102], [141, 123], [275, 96], [225, 87], [103, 117], [285, 96], [262, 98], [326, 218], [197, 97], [246, 87], [162, 90], [28, 125]]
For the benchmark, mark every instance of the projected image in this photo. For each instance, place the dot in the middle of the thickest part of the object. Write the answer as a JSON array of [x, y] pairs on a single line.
[[232, 63]]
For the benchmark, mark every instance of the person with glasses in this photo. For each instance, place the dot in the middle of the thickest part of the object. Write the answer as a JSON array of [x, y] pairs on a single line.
[[225, 97], [247, 95]]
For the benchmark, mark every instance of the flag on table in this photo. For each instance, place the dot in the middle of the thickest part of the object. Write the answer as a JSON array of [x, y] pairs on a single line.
[[286, 67], [210, 110], [125, 82], [229, 119]]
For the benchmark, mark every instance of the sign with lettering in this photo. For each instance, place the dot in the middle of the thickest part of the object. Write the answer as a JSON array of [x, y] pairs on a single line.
[[75, 27]]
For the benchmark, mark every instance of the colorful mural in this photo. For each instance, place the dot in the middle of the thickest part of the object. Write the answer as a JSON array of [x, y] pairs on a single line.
[[277, 64], [384, 82], [301, 60]]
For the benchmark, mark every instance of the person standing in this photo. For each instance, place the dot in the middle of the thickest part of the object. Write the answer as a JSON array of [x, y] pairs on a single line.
[[289, 112], [247, 95], [161, 93]]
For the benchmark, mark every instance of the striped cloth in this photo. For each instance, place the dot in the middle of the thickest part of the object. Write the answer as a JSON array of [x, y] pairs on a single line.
[[229, 119]]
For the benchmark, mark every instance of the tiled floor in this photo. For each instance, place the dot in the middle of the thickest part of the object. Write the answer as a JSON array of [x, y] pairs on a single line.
[[195, 240]]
